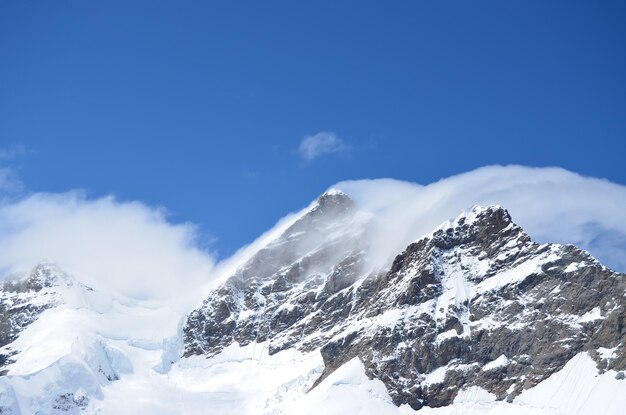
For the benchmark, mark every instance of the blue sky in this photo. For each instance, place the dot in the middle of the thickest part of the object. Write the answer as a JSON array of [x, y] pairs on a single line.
[[203, 107]]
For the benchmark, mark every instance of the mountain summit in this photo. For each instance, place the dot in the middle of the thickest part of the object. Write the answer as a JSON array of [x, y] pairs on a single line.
[[474, 313], [475, 303]]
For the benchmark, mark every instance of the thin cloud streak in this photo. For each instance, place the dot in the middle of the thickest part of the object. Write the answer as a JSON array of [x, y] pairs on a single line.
[[126, 247], [551, 204], [324, 142]]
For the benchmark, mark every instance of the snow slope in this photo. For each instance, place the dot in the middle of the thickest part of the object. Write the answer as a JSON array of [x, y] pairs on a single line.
[[578, 389], [83, 343]]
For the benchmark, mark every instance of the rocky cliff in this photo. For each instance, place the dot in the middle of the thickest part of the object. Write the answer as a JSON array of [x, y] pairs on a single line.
[[475, 303]]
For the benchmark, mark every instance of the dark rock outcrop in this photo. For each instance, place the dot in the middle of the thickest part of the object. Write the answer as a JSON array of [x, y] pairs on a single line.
[[21, 303], [290, 288]]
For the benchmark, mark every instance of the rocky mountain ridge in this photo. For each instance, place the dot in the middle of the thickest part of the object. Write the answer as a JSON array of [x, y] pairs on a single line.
[[295, 276], [476, 303], [22, 300]]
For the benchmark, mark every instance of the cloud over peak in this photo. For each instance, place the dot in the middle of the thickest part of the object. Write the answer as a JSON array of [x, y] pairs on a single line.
[[129, 247], [135, 249], [324, 142], [551, 204]]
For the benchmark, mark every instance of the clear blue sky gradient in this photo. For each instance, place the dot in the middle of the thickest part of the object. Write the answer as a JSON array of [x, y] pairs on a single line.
[[200, 106]]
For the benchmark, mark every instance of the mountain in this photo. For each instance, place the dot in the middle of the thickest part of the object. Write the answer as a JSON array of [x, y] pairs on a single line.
[[473, 317], [64, 345], [290, 291], [21, 303], [476, 303]]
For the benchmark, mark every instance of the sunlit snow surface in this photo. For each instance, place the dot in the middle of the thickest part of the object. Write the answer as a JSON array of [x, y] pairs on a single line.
[[240, 380]]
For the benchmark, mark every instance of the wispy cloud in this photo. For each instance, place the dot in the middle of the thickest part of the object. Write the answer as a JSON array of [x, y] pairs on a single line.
[[551, 204], [127, 247], [324, 142]]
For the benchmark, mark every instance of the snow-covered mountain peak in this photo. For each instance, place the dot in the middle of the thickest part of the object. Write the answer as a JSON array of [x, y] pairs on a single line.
[[44, 275], [334, 191], [472, 310], [335, 196], [454, 308], [478, 217], [62, 342], [23, 298], [321, 253]]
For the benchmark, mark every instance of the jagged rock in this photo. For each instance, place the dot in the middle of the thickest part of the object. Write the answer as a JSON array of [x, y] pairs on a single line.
[[22, 300], [300, 275], [474, 303]]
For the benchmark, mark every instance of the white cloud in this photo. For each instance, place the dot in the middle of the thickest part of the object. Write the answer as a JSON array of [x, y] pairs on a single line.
[[324, 142], [133, 248], [127, 247], [551, 204]]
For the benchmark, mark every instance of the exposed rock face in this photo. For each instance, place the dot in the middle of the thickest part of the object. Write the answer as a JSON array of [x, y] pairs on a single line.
[[21, 303], [474, 303], [288, 290], [50, 309], [477, 303]]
